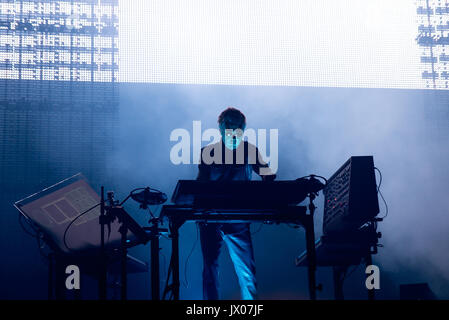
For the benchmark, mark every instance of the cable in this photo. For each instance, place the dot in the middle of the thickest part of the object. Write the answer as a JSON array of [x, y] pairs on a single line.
[[137, 189], [313, 175], [186, 283], [381, 195], [380, 178], [36, 235], [386, 206], [36, 232], [151, 213], [129, 195], [158, 212], [169, 271], [41, 246], [71, 222], [321, 177]]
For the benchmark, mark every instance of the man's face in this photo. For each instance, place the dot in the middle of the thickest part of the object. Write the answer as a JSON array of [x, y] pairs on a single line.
[[231, 134]]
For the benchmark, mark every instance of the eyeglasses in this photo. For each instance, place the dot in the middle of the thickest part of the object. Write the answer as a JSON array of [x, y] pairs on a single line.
[[231, 133]]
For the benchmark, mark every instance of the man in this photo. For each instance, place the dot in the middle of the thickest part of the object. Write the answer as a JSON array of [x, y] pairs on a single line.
[[230, 159]]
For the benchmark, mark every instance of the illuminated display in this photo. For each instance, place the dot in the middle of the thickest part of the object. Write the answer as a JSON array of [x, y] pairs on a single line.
[[345, 43], [59, 40], [433, 40], [58, 90], [316, 43]]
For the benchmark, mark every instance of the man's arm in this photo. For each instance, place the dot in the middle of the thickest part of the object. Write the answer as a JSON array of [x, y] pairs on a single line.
[[203, 173], [261, 167]]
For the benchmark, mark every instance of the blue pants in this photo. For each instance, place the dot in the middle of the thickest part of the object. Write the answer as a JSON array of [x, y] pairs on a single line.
[[237, 237]]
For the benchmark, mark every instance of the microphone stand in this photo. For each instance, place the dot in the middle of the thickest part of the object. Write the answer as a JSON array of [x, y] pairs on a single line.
[[124, 253], [107, 213], [314, 186], [117, 212], [102, 283], [155, 233]]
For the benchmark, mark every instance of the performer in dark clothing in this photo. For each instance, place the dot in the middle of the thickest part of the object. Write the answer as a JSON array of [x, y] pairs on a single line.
[[230, 159]]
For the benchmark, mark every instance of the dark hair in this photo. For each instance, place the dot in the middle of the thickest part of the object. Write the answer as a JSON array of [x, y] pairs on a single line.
[[232, 116]]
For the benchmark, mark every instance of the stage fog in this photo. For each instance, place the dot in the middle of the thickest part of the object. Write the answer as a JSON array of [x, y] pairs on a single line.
[[319, 129]]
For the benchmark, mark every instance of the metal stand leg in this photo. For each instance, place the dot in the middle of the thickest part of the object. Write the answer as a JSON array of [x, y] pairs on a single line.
[[50, 276], [369, 261], [60, 290], [124, 253], [338, 273], [175, 256], [173, 269], [311, 257], [155, 280], [310, 245], [102, 282]]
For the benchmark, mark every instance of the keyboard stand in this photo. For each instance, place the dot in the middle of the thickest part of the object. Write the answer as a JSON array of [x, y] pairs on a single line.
[[177, 215]]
